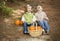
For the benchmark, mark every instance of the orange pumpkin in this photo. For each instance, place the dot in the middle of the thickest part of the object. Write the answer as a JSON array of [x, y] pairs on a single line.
[[34, 28], [31, 28], [17, 22]]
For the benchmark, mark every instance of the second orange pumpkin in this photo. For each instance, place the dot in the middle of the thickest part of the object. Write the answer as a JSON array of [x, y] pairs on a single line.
[[18, 22], [34, 28], [31, 28]]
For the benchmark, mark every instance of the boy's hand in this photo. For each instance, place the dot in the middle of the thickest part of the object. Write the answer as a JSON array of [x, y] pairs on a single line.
[[47, 19]]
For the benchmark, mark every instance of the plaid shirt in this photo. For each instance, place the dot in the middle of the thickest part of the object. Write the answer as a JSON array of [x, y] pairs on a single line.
[[40, 16]]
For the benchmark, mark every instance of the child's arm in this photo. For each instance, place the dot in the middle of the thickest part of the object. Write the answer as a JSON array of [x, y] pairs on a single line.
[[45, 16], [36, 16], [34, 19], [23, 19]]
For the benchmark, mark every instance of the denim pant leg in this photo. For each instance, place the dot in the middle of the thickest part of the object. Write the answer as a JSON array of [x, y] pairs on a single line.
[[41, 24], [46, 25], [25, 27]]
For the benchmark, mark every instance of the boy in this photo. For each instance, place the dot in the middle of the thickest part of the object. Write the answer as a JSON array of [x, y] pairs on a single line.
[[42, 19], [28, 18]]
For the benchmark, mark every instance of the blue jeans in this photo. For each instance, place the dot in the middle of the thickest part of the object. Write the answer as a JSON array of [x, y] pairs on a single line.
[[44, 25], [26, 27]]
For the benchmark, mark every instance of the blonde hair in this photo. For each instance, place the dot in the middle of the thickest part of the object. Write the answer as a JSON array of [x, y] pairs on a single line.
[[29, 6], [39, 7]]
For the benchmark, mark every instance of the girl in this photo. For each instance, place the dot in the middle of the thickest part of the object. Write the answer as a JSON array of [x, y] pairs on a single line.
[[28, 18]]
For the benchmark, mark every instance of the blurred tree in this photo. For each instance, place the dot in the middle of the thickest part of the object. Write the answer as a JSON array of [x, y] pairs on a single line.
[[4, 10]]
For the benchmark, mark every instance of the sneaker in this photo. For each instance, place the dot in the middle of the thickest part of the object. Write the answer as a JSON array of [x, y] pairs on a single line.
[[26, 33], [47, 32], [43, 32]]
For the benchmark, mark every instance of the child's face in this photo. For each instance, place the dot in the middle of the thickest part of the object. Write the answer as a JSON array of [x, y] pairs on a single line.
[[29, 9], [39, 8]]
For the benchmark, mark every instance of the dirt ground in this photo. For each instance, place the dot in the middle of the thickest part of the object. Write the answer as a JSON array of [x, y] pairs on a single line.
[[11, 32]]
